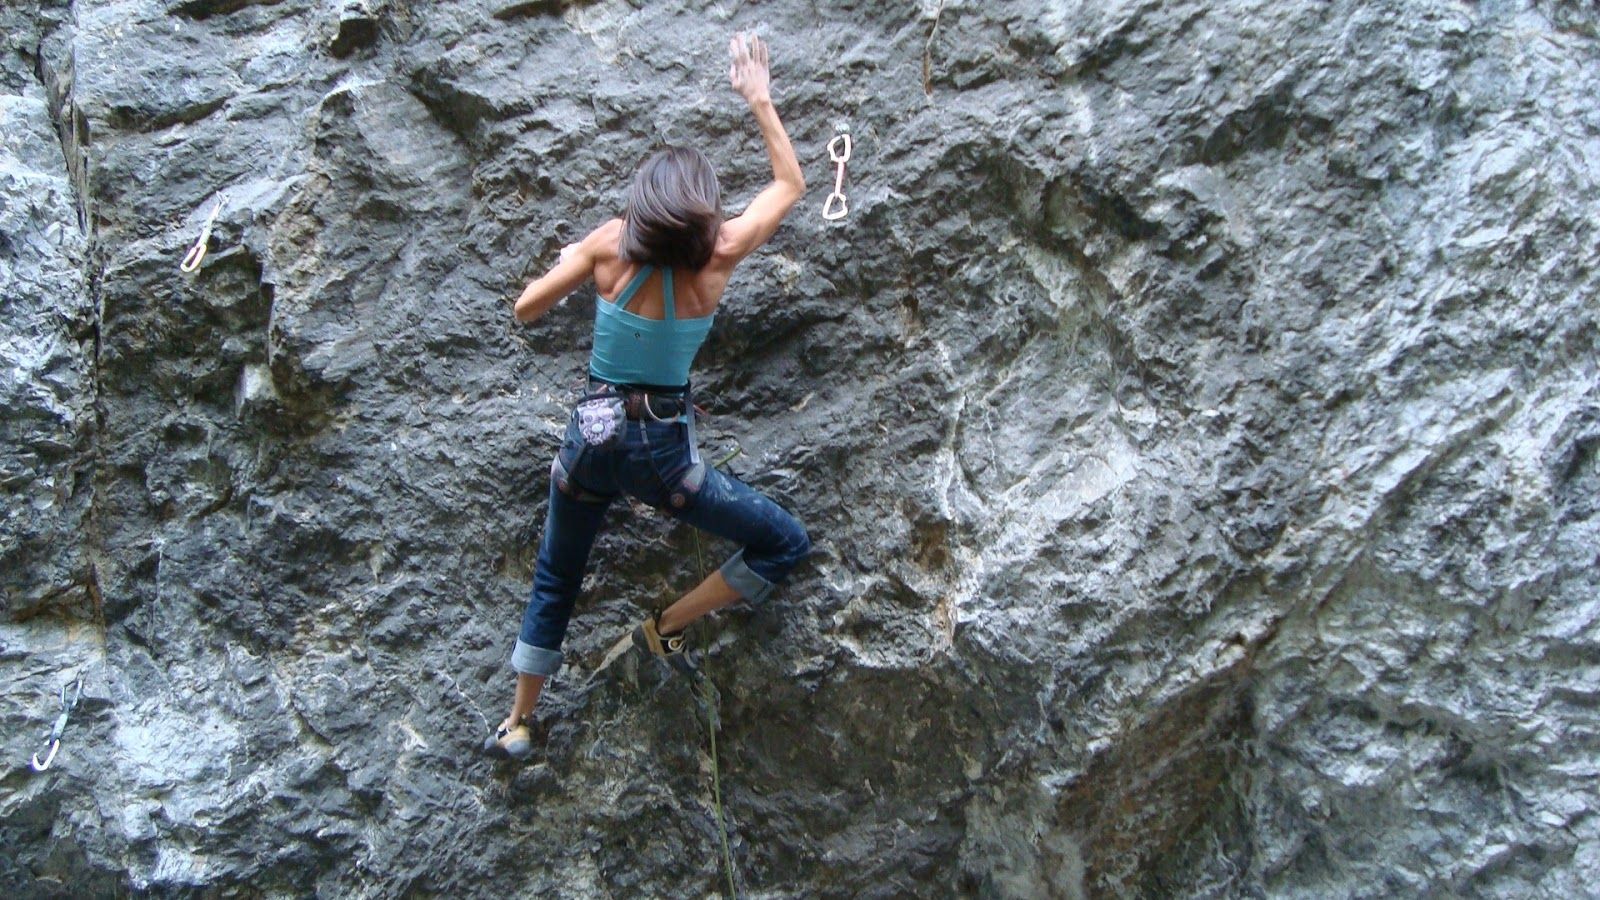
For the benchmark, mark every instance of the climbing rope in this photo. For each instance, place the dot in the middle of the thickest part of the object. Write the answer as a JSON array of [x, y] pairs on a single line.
[[708, 697], [54, 740], [839, 157], [191, 260]]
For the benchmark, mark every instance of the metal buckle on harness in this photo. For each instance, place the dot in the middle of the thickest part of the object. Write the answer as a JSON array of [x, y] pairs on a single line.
[[644, 400], [689, 487]]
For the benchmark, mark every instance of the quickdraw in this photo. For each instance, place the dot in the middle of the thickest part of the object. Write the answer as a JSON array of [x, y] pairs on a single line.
[[840, 157], [191, 260], [54, 741]]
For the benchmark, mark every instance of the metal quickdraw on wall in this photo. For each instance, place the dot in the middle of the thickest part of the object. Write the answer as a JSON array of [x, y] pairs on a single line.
[[53, 742], [836, 206], [197, 253]]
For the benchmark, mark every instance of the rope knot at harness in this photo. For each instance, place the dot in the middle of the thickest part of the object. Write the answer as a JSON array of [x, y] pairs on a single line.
[[840, 154]]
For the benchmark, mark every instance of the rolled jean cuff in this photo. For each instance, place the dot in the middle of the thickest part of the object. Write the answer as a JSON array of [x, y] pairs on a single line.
[[752, 587], [531, 660]]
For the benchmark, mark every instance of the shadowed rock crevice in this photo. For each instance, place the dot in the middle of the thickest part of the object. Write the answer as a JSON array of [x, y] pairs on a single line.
[[51, 336], [205, 9]]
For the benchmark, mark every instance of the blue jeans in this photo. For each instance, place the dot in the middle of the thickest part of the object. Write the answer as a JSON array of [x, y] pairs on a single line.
[[654, 463]]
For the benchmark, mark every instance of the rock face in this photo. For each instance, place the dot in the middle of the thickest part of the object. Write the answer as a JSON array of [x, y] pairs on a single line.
[[1195, 418]]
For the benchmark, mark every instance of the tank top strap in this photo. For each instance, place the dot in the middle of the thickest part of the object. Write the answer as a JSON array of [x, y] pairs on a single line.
[[666, 290], [626, 297]]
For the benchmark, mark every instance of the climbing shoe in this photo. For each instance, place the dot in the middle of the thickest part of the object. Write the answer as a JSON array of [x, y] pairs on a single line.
[[668, 647], [509, 743]]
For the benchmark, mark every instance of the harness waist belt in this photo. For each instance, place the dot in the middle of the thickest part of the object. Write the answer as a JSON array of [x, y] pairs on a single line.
[[649, 407], [643, 405]]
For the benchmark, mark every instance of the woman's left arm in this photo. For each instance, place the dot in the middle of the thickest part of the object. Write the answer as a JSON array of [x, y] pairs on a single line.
[[576, 267]]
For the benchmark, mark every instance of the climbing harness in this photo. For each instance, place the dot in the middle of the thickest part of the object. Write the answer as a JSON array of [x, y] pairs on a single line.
[[602, 415], [54, 741], [840, 157], [191, 260]]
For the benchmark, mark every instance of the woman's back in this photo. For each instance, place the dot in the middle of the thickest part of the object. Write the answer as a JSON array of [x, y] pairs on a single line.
[[696, 293]]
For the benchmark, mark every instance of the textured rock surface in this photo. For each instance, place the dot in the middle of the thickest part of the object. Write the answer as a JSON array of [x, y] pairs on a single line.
[[1196, 419]]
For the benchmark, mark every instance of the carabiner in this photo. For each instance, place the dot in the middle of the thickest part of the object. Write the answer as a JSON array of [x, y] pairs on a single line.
[[834, 154], [41, 766], [191, 260], [54, 740], [839, 158]]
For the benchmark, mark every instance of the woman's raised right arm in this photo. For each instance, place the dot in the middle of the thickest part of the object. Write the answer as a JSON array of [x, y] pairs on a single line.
[[751, 77]]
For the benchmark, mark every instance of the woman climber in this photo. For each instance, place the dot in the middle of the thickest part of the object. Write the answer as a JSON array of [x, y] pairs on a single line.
[[666, 262]]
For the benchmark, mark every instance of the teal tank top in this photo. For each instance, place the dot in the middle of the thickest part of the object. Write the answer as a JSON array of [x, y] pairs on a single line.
[[631, 349]]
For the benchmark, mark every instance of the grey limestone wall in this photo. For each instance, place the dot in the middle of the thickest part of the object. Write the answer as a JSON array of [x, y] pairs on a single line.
[[1195, 417]]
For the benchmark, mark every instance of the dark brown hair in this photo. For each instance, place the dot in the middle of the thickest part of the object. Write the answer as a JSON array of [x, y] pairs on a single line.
[[674, 211]]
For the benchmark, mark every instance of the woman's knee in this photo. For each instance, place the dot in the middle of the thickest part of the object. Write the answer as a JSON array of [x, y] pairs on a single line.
[[779, 558], [798, 546]]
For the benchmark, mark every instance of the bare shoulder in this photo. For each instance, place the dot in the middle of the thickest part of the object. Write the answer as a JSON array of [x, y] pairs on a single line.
[[728, 251], [602, 242]]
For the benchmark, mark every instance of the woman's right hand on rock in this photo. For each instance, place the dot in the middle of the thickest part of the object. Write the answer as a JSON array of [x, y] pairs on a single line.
[[749, 72]]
